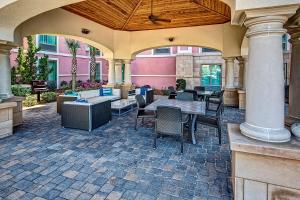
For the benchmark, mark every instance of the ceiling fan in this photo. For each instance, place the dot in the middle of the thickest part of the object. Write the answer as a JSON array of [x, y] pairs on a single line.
[[154, 19]]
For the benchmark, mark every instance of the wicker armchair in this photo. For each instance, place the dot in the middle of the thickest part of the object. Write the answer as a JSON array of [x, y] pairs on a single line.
[[169, 122], [212, 118], [141, 113]]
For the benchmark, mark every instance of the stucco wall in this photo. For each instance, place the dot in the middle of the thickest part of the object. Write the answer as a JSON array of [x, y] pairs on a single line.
[[159, 72]]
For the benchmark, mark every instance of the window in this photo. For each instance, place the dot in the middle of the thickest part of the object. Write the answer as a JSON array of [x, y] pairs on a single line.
[[162, 51], [98, 52], [47, 43], [208, 50], [284, 42], [211, 75]]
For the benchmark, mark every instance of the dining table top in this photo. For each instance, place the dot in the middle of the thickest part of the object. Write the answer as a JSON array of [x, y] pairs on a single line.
[[208, 93], [187, 107]]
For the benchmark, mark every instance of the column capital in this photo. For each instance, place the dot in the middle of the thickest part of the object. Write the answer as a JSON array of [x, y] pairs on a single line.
[[6, 46], [229, 59], [127, 61], [295, 34], [265, 26]]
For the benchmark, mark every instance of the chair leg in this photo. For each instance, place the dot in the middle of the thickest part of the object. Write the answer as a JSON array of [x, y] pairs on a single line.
[[220, 134], [143, 120], [154, 143], [181, 141], [136, 121]]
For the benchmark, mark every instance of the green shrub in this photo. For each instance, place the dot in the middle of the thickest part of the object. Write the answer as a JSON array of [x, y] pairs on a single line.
[[30, 101], [180, 84], [48, 97], [18, 90]]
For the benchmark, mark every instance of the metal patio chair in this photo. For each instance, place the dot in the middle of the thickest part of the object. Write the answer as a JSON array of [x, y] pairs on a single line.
[[212, 118], [169, 121], [141, 113], [185, 96]]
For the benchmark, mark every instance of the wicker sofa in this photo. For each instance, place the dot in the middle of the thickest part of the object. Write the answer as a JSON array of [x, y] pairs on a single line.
[[90, 95], [86, 116]]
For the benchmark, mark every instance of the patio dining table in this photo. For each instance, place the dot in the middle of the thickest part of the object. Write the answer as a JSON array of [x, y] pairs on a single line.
[[192, 108], [204, 94]]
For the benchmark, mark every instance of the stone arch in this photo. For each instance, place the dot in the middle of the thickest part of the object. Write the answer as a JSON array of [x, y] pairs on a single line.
[[133, 55], [61, 22]]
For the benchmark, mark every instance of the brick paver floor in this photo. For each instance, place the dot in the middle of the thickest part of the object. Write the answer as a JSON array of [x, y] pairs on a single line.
[[42, 160]]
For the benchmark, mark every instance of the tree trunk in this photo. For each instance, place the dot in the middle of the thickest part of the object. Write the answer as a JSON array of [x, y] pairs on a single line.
[[74, 71], [93, 69]]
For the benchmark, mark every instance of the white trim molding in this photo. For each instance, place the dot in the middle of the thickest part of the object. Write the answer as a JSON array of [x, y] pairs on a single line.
[[154, 75]]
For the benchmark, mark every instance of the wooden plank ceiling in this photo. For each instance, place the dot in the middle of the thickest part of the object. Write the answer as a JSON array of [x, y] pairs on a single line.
[[132, 15]]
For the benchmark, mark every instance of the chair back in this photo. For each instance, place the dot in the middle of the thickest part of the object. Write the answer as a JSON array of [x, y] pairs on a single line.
[[219, 109], [199, 88], [218, 94], [141, 103], [168, 120], [185, 96], [149, 96], [194, 92], [171, 89]]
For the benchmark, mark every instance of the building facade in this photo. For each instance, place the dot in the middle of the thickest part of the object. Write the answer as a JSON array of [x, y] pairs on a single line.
[[60, 59], [159, 67]]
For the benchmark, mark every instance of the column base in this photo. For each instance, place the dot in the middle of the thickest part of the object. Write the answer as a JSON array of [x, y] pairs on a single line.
[[6, 96], [289, 120], [231, 97], [265, 134]]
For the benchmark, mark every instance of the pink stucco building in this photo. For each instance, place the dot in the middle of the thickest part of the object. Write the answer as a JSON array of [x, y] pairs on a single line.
[[158, 67]]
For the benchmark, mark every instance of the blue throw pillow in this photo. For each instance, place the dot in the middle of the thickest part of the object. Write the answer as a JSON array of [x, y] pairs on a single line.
[[106, 92], [81, 100], [144, 90]]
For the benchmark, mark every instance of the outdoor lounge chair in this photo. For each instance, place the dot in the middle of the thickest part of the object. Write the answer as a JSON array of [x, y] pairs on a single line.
[[212, 118], [141, 113], [169, 121]]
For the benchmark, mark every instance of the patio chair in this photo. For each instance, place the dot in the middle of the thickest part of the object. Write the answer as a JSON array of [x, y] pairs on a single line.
[[141, 113], [200, 89], [185, 96], [215, 98], [169, 122], [212, 119], [194, 92], [172, 92]]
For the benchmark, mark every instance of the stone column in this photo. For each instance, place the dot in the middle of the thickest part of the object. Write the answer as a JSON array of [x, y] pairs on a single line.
[[111, 72], [245, 58], [118, 71], [127, 73], [5, 70], [230, 95], [265, 83], [241, 72], [229, 72], [294, 87], [242, 84]]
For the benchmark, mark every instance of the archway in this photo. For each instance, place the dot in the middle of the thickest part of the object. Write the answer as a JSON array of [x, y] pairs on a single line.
[[160, 67]]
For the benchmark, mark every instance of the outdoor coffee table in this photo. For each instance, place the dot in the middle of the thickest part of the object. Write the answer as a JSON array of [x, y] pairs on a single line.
[[123, 106], [192, 108]]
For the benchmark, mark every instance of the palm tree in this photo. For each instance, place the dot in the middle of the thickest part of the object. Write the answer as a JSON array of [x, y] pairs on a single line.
[[73, 45], [93, 64]]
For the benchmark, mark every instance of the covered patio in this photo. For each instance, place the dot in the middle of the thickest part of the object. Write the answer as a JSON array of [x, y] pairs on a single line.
[[259, 156], [42, 159]]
